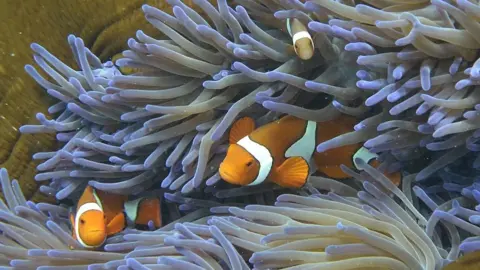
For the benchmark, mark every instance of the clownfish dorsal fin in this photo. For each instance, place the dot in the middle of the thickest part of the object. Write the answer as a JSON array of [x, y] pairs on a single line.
[[293, 173], [241, 128], [88, 196], [89, 190]]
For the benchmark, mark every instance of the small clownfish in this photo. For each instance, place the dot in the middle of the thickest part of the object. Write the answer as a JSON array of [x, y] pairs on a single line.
[[281, 151], [301, 39], [100, 214]]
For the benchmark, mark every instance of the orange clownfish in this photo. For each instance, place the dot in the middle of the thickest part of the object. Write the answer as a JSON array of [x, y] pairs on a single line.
[[100, 214], [281, 151], [301, 39]]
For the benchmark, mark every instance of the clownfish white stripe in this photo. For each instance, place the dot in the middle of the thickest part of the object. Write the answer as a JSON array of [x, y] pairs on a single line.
[[84, 208], [305, 146], [300, 35], [261, 154], [363, 154], [131, 209]]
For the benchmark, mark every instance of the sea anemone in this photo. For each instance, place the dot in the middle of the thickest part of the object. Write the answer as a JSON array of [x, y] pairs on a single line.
[[451, 197], [343, 227], [419, 66], [157, 119], [188, 90], [319, 231]]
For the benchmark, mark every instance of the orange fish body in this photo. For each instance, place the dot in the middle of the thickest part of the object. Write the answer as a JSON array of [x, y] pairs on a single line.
[[282, 150], [101, 214]]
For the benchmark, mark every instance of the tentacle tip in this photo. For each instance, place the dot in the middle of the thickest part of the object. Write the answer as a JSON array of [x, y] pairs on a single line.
[[340, 226], [321, 148], [35, 46], [240, 8], [360, 161], [238, 65]]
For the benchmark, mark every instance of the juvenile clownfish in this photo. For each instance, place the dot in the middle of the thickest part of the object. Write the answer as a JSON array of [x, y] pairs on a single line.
[[100, 214], [281, 151], [301, 39]]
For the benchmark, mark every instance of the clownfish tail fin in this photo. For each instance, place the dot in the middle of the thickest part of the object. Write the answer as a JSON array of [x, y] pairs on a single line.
[[241, 128], [293, 173]]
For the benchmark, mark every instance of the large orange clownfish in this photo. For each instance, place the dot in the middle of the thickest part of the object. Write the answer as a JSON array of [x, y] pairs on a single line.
[[281, 152], [100, 214]]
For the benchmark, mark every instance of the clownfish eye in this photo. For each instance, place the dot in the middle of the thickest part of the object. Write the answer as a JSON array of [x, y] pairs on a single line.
[[250, 163], [82, 221]]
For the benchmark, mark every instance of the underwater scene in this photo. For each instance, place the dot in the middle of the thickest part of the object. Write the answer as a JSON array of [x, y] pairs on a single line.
[[246, 134]]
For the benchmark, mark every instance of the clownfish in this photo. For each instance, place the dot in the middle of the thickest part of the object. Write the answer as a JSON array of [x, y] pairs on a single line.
[[281, 152], [301, 39], [100, 214]]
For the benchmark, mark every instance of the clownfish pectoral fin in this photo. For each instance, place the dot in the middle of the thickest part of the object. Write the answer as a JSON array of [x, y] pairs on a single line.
[[116, 225], [241, 128], [293, 173]]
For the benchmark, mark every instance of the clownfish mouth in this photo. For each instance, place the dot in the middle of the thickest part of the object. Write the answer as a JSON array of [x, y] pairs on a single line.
[[227, 176], [95, 238]]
